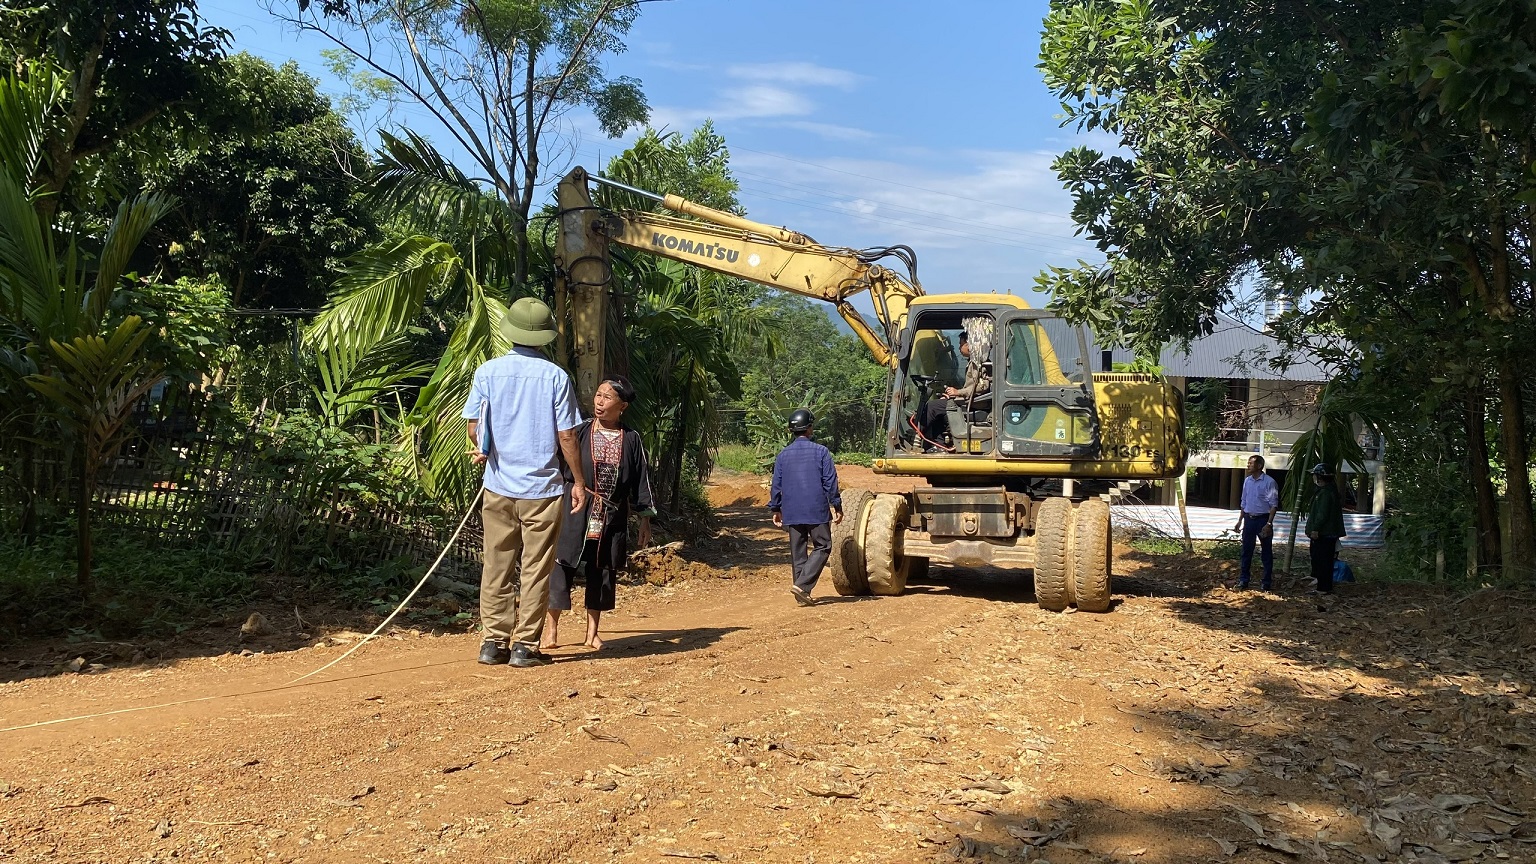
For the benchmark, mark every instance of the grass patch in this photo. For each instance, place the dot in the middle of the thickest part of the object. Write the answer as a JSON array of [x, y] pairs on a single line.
[[853, 457], [1156, 544], [741, 458], [152, 589], [1369, 565], [140, 588]]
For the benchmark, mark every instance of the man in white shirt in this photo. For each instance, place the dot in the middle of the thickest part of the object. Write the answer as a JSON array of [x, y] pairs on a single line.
[[522, 416], [1261, 498]]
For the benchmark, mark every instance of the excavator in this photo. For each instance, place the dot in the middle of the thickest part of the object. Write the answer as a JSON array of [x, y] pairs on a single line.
[[1011, 472]]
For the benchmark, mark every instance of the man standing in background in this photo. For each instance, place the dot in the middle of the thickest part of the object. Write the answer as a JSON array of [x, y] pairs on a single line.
[[521, 411], [1325, 527], [803, 499], [1261, 498]]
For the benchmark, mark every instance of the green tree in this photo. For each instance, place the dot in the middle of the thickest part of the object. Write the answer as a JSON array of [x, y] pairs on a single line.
[[127, 63], [829, 371], [681, 331], [499, 77], [270, 186], [57, 339], [1357, 158]]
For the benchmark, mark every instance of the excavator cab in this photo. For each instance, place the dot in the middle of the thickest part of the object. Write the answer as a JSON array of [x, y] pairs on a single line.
[[1040, 405]]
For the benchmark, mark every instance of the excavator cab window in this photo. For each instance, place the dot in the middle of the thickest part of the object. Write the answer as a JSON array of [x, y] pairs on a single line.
[[1045, 398], [934, 361]]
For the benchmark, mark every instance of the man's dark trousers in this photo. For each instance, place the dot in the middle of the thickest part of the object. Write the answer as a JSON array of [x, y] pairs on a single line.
[[1253, 529], [1324, 551], [809, 547]]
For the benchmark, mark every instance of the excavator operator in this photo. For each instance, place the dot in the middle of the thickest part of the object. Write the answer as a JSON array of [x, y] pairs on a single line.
[[974, 395]]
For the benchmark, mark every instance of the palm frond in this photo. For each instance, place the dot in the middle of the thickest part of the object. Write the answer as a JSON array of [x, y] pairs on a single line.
[[416, 186], [355, 378], [448, 475], [135, 216], [29, 271], [383, 290], [26, 103]]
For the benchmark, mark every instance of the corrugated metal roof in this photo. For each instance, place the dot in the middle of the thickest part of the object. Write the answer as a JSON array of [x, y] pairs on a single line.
[[1232, 350]]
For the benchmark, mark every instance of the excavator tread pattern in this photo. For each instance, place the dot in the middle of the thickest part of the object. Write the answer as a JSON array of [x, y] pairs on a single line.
[[1053, 554], [1091, 556], [847, 560], [885, 565]]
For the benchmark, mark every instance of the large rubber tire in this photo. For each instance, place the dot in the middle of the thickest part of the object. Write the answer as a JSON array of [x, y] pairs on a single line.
[[884, 562], [1053, 554], [1091, 556], [847, 559]]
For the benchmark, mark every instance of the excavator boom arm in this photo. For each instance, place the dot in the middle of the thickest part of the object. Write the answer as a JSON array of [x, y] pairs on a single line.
[[766, 254]]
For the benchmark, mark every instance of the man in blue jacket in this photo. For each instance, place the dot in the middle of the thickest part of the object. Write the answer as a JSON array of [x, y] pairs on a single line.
[[804, 498]]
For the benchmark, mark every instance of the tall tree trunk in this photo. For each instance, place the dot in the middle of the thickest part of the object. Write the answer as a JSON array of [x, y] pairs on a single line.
[[62, 155], [1490, 555], [1522, 522]]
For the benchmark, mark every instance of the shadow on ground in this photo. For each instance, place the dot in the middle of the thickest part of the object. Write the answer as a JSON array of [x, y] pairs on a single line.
[[653, 643]]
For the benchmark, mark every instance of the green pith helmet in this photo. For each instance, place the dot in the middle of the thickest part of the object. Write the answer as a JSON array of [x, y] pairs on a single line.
[[528, 322]]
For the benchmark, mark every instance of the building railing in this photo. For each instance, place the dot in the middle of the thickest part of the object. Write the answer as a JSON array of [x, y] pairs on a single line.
[[1279, 442]]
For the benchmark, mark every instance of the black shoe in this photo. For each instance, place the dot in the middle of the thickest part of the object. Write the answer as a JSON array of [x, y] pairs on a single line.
[[1242, 584], [524, 656], [494, 653], [1266, 585]]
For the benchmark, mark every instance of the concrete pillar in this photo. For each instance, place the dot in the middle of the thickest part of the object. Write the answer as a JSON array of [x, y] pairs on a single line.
[[1224, 486], [1379, 491]]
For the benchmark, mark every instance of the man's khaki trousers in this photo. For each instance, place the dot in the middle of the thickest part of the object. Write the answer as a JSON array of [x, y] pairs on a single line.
[[517, 530]]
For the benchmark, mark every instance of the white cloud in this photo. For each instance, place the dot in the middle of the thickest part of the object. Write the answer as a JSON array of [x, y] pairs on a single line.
[[830, 131], [797, 74], [979, 220], [763, 100]]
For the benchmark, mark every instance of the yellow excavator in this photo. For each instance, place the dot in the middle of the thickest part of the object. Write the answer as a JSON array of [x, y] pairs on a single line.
[[1015, 466]]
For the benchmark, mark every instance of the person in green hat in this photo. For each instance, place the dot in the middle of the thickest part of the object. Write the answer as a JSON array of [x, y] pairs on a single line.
[[522, 415]]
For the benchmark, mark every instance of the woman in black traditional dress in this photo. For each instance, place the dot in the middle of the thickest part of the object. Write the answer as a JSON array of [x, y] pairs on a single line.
[[594, 543]]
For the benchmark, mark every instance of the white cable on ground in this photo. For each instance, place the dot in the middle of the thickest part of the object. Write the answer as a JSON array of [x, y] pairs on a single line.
[[385, 623], [398, 609]]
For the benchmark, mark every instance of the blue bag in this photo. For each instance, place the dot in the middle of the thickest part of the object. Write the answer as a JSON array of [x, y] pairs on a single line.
[[1342, 572]]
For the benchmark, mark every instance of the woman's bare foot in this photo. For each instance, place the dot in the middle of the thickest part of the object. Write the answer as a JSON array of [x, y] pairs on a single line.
[[594, 619], [551, 630]]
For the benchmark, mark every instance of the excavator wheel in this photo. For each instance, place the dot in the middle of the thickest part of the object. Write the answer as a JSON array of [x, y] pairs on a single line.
[[886, 565], [1092, 555], [1053, 554], [847, 559]]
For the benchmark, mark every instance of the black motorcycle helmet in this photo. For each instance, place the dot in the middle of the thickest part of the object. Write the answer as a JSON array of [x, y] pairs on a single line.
[[800, 420]]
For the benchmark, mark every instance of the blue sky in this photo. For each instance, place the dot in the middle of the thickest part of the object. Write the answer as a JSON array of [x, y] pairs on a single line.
[[858, 123]]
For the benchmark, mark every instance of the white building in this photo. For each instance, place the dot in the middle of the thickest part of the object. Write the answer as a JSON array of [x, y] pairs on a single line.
[[1267, 407]]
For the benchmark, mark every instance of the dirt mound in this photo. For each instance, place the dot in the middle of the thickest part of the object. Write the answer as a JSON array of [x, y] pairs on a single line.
[[742, 490], [661, 565]]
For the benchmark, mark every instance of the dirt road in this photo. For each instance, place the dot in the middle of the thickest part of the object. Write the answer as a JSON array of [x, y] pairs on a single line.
[[722, 722]]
